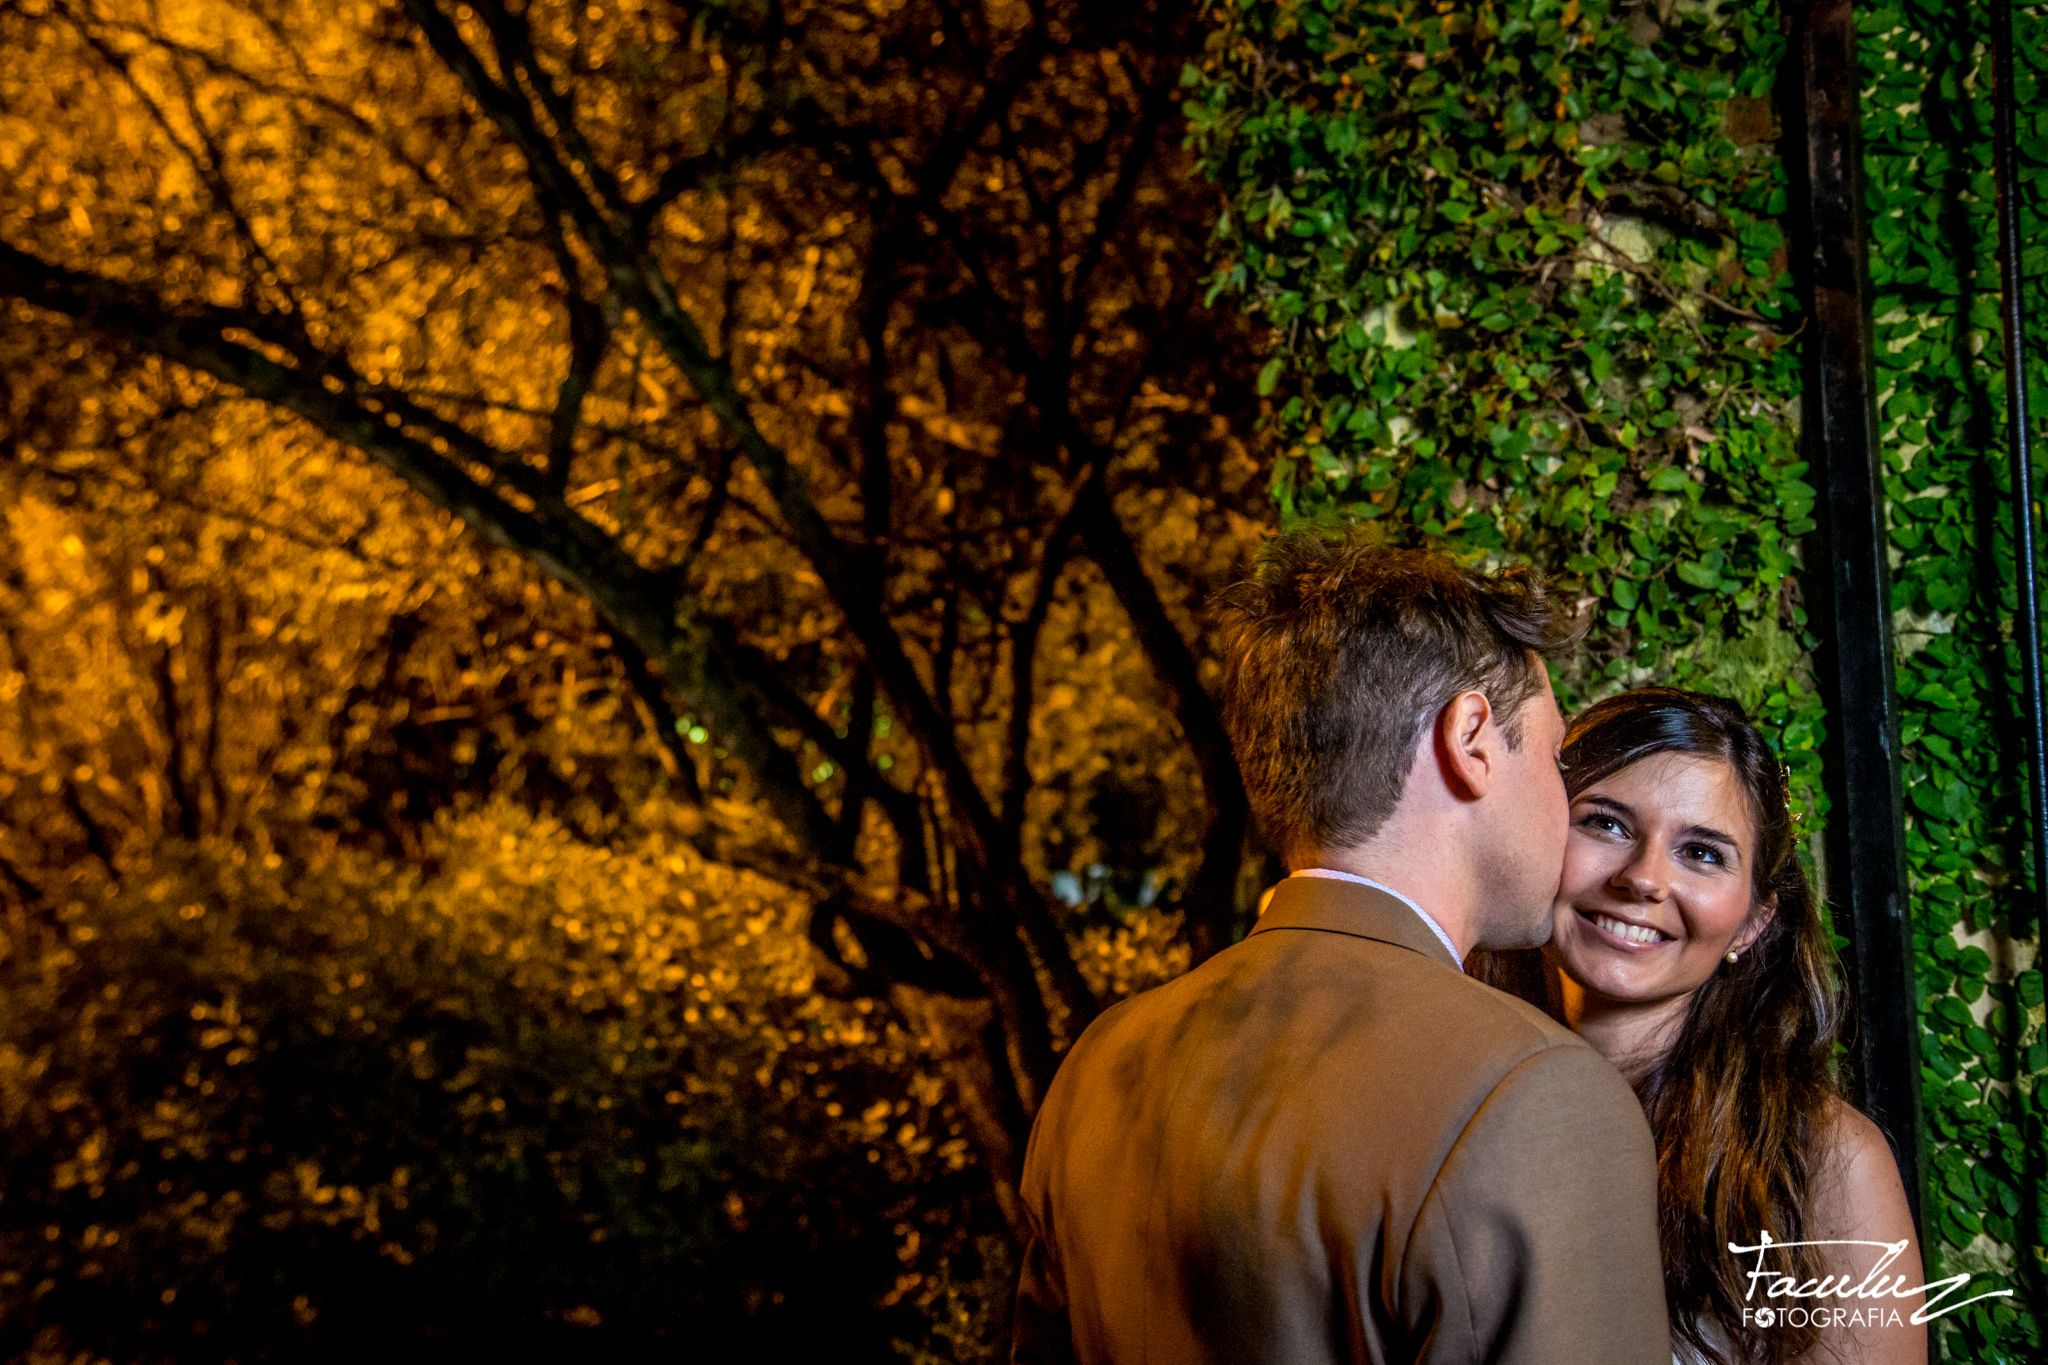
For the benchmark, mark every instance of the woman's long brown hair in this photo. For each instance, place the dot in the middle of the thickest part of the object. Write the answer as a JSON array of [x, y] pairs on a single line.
[[1740, 1105]]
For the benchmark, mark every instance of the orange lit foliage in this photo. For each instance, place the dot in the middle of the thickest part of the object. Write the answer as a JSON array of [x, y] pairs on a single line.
[[629, 908]]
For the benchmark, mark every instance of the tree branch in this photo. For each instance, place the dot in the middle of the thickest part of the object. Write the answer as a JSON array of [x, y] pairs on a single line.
[[207, 167], [1211, 899], [513, 40], [692, 172], [640, 282], [663, 717], [758, 674], [638, 603], [30, 893], [1052, 561], [1156, 103], [589, 335]]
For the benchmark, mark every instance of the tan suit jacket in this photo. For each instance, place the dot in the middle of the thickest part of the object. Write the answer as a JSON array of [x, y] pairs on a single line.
[[1328, 1144]]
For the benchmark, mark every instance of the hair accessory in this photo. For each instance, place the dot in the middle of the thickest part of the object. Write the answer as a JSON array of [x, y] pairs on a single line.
[[1732, 954], [1798, 817]]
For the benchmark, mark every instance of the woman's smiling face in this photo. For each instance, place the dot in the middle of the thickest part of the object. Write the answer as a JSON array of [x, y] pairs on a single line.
[[1656, 884]]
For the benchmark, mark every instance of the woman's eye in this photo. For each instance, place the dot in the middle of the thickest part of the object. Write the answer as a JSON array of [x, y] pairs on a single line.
[[1605, 824], [1703, 853]]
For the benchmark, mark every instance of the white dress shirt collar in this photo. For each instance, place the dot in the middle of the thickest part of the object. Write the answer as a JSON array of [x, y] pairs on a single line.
[[1434, 927]]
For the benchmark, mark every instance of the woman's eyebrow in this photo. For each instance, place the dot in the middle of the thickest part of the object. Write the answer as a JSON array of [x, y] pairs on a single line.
[[1608, 803], [1620, 808]]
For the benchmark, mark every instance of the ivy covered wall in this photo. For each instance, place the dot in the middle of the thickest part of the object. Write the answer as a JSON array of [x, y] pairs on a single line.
[[1525, 269], [1524, 262], [1934, 272]]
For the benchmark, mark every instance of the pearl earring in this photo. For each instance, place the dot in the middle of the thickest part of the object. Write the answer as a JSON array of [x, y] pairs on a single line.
[[1732, 954]]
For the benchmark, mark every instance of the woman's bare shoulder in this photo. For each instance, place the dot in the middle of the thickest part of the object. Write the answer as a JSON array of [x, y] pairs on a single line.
[[1859, 1188], [1859, 1205]]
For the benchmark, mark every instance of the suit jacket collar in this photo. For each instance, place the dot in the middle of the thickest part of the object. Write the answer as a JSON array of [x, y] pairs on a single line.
[[1340, 907]]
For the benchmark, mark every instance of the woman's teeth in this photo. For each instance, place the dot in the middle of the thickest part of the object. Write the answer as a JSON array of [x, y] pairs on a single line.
[[1634, 933]]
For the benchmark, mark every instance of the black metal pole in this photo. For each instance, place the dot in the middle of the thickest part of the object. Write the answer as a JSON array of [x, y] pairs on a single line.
[[1849, 579], [2005, 143]]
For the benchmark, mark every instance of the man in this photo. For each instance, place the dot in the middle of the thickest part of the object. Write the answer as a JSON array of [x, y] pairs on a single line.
[[1326, 1143]]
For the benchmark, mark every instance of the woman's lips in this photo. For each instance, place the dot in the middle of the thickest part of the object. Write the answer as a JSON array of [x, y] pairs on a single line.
[[1619, 933]]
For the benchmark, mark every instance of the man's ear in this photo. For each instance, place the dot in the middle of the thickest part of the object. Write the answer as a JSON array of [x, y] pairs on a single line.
[[1468, 745]]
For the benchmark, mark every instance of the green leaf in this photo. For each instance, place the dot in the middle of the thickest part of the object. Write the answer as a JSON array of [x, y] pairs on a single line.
[[1954, 1011], [2031, 989], [1602, 362]]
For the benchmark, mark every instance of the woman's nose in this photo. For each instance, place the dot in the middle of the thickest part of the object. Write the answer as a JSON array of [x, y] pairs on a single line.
[[1643, 877]]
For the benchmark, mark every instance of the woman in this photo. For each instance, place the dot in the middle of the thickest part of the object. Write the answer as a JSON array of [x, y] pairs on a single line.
[[1688, 950]]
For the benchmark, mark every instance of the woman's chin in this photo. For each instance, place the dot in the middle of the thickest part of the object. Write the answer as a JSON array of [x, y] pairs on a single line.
[[1599, 980], [1621, 974]]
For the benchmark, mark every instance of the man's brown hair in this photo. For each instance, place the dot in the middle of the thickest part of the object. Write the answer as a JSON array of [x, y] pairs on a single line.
[[1341, 653]]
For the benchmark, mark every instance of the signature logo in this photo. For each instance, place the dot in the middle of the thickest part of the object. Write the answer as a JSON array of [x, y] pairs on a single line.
[[1876, 1286]]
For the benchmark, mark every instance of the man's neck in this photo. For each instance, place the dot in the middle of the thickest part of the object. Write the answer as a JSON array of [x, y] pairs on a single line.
[[1438, 895]]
